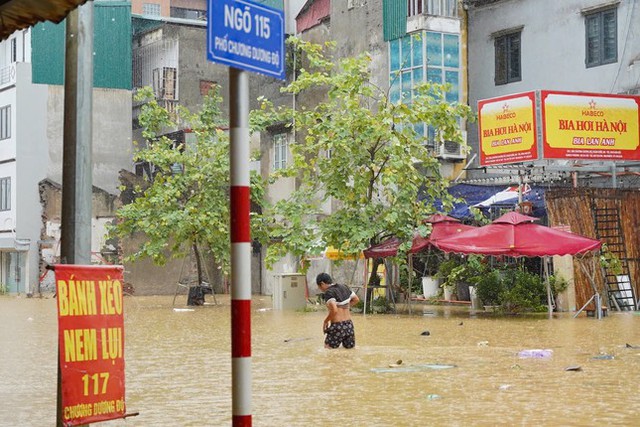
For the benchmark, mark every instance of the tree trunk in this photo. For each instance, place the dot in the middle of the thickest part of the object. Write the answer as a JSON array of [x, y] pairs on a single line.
[[196, 293], [196, 252], [374, 279]]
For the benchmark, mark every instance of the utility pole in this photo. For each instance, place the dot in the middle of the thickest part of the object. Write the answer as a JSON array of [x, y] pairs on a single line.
[[75, 241]]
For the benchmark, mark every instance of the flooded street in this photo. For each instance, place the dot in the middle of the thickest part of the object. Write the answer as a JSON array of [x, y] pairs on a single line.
[[178, 367]]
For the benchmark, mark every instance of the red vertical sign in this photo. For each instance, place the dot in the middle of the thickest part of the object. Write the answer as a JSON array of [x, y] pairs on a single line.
[[91, 342]]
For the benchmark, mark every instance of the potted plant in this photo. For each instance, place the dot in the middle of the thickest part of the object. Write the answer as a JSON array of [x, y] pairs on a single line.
[[512, 289], [448, 272], [427, 263], [458, 273]]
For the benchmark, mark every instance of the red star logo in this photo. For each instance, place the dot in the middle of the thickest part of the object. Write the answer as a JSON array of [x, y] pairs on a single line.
[[592, 104]]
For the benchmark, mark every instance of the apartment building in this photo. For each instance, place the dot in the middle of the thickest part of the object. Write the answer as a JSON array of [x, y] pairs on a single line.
[[575, 46], [410, 42], [169, 55], [31, 137]]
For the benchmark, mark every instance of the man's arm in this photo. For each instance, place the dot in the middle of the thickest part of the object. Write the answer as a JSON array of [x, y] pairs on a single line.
[[354, 299]]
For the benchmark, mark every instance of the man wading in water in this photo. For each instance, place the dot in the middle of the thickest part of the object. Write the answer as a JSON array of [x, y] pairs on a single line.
[[337, 325]]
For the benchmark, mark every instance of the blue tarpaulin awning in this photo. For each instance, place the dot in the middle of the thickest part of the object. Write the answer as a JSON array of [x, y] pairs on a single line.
[[474, 194]]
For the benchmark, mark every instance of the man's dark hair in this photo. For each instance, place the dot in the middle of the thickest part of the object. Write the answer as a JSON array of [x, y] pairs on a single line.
[[324, 278]]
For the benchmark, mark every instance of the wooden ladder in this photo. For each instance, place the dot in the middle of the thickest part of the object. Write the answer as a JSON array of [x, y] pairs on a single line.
[[618, 284]]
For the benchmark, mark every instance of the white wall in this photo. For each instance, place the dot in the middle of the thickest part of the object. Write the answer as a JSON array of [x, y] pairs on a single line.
[[23, 48], [31, 160]]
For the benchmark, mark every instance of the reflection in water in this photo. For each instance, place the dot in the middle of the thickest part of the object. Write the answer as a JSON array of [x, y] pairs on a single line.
[[179, 368]]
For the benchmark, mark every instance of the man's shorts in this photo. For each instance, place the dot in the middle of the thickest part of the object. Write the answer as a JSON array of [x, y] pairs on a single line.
[[341, 333]]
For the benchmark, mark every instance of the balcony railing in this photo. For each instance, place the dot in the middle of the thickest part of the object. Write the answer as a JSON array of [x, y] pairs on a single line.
[[8, 75], [448, 8]]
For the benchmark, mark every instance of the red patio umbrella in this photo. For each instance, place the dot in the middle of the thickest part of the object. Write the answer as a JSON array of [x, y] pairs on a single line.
[[514, 234], [443, 226], [390, 247]]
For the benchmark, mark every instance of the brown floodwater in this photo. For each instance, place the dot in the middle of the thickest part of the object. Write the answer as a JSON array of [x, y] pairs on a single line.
[[466, 372]]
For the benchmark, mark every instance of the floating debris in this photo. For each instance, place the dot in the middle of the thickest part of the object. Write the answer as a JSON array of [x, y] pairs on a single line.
[[535, 353], [433, 396], [573, 368], [412, 368], [395, 365], [425, 333], [180, 310], [603, 357], [627, 345], [483, 344], [504, 387], [296, 339]]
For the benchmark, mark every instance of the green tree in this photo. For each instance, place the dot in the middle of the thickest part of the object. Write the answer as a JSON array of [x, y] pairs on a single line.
[[359, 149], [185, 206]]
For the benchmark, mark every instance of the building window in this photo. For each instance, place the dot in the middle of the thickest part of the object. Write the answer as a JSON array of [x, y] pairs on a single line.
[[280, 147], [207, 86], [5, 194], [14, 50], [426, 56], [180, 12], [508, 68], [447, 8], [152, 9], [5, 122], [164, 83], [601, 37]]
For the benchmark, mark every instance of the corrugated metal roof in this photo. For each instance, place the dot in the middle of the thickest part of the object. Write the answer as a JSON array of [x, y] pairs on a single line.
[[111, 45], [19, 14]]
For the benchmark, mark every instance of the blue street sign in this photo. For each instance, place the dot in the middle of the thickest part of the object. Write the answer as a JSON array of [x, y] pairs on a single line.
[[246, 35]]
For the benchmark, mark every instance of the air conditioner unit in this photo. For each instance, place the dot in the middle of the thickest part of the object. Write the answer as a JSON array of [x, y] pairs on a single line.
[[452, 150]]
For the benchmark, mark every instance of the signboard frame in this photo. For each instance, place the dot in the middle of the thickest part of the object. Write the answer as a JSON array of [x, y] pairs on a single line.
[[594, 132], [583, 126], [511, 136]]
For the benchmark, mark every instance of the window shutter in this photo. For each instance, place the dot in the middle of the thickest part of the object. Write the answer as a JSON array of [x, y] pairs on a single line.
[[394, 17]]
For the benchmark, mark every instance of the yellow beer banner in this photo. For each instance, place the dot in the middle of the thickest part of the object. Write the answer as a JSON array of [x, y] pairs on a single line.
[[507, 129], [590, 126]]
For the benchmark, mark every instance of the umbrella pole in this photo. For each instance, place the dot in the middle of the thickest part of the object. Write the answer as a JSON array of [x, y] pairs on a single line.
[[546, 278], [410, 273], [366, 284]]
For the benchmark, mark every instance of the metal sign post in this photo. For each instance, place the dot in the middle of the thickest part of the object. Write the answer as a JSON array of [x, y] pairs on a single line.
[[240, 248], [244, 36]]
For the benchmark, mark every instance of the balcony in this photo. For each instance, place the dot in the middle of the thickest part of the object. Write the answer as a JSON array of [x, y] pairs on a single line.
[[433, 15], [8, 76], [444, 8]]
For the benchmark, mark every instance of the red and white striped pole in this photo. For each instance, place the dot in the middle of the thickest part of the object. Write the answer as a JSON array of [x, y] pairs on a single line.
[[240, 248]]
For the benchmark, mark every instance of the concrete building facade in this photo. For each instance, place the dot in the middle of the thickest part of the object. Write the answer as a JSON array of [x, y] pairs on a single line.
[[575, 45], [387, 30], [31, 141]]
